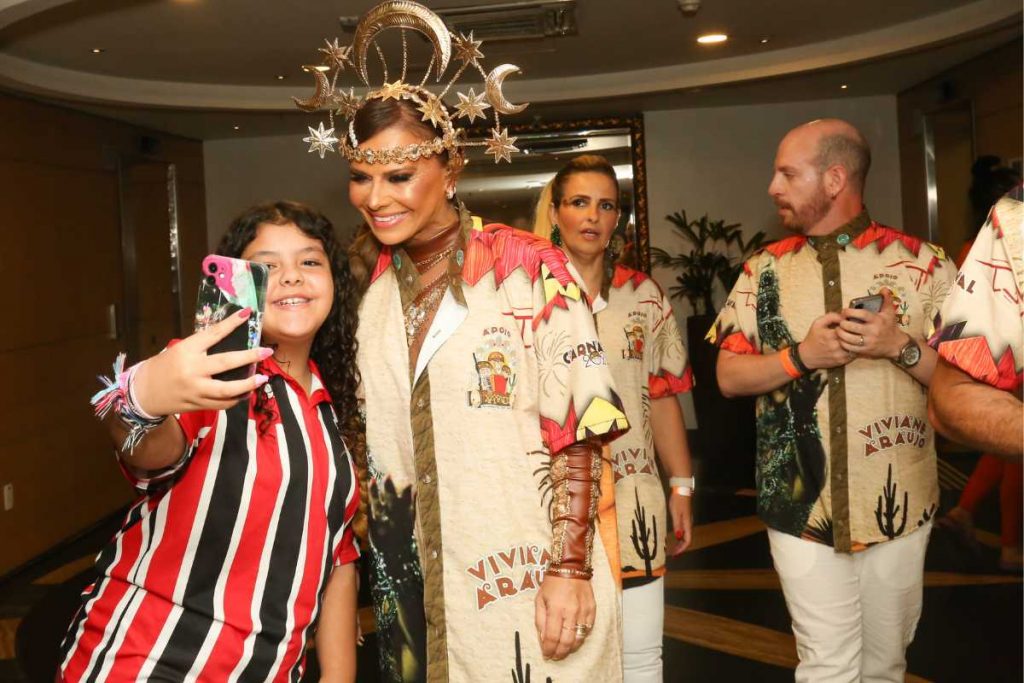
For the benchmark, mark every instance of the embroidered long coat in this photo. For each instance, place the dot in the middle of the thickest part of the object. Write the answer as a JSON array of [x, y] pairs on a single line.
[[511, 370]]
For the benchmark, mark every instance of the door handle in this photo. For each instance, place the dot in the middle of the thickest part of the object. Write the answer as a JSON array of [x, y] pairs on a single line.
[[112, 328]]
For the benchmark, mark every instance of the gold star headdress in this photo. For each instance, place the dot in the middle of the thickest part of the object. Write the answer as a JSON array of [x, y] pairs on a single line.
[[404, 14]]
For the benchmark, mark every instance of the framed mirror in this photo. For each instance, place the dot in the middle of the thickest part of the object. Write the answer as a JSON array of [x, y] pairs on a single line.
[[508, 193]]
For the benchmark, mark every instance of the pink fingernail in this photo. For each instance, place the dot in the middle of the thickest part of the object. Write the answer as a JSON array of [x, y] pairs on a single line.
[[245, 313], [261, 380], [266, 352]]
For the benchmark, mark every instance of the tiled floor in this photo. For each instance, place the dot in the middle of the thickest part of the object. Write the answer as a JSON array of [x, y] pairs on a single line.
[[726, 619]]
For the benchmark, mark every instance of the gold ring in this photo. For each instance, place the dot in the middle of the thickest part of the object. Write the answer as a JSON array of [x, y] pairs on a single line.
[[582, 630], [861, 342]]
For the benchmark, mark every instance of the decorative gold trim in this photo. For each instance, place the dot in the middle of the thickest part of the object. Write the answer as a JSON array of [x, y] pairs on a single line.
[[406, 14]]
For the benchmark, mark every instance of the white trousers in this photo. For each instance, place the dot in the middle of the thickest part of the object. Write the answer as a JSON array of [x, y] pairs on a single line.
[[853, 614], [643, 627]]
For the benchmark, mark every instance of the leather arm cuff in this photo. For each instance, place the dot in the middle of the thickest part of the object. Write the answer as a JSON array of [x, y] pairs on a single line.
[[576, 486]]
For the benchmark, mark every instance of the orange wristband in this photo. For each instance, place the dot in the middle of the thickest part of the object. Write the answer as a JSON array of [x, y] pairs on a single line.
[[788, 365]]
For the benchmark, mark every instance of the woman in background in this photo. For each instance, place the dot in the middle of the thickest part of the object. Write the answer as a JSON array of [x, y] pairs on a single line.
[[579, 210]]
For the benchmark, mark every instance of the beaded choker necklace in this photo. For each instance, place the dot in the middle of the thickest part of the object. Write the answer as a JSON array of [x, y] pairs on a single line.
[[431, 261]]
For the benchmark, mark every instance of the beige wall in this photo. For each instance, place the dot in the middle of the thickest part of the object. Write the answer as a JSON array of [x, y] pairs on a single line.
[[247, 171], [62, 255]]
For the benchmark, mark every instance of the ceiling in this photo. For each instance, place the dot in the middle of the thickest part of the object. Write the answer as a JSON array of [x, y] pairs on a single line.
[[202, 67]]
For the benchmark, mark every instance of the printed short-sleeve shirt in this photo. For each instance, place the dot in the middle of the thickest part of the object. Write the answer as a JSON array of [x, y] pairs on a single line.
[[218, 570], [846, 456], [983, 317], [648, 361]]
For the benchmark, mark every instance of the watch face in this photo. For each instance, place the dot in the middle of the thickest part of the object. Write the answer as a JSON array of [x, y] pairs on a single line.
[[910, 354]]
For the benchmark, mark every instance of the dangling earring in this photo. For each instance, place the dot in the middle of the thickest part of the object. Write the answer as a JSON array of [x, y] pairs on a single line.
[[610, 253], [556, 235], [450, 193]]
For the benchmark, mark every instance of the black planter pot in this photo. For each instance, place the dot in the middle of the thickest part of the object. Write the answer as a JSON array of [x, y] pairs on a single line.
[[726, 431]]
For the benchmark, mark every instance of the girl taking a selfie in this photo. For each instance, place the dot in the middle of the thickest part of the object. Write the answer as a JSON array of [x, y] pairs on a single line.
[[241, 540]]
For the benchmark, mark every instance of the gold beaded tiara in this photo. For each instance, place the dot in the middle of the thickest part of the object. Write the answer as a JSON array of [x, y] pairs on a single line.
[[404, 14]]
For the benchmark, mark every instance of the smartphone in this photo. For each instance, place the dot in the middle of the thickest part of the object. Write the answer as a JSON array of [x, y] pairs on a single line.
[[871, 303], [228, 286]]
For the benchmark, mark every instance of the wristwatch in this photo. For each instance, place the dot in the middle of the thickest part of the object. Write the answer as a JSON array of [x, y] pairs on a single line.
[[684, 486], [910, 354]]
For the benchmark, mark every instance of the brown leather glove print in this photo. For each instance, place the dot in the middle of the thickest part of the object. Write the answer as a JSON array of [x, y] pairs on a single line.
[[576, 483]]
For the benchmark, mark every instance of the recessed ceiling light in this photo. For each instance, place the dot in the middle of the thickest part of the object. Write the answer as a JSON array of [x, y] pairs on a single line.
[[764, 41], [237, 127], [843, 87], [279, 77], [97, 50], [711, 38]]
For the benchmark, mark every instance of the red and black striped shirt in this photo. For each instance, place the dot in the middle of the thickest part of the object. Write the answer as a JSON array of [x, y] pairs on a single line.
[[218, 570]]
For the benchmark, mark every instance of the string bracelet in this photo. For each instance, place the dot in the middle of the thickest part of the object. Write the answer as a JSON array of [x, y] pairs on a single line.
[[794, 355], [118, 395]]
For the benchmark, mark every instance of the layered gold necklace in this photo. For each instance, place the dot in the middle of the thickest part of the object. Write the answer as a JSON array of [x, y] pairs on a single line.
[[418, 311]]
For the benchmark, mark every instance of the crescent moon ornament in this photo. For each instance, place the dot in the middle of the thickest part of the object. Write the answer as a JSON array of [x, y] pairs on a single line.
[[402, 14], [494, 83], [323, 89]]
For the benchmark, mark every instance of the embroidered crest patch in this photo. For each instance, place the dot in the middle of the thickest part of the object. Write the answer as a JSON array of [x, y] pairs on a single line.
[[635, 337], [900, 302], [495, 370]]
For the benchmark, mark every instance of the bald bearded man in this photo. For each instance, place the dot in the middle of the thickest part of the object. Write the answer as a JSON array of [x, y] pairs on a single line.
[[846, 467]]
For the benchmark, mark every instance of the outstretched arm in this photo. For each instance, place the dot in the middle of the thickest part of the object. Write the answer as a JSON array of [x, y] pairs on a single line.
[[180, 380], [976, 414]]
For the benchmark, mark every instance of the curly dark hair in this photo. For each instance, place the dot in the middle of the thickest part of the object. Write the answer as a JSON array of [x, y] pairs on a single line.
[[334, 346], [989, 181]]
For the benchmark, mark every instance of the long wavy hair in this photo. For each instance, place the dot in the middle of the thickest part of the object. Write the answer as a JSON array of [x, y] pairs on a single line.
[[374, 117], [542, 212], [334, 346]]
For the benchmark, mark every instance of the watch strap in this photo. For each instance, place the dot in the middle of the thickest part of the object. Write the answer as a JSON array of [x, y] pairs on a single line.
[[901, 359], [684, 482]]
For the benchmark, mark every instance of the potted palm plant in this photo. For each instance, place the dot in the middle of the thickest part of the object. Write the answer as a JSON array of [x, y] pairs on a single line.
[[716, 255]]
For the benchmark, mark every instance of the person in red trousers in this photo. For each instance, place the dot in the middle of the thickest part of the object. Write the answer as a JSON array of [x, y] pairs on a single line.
[[990, 182]]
